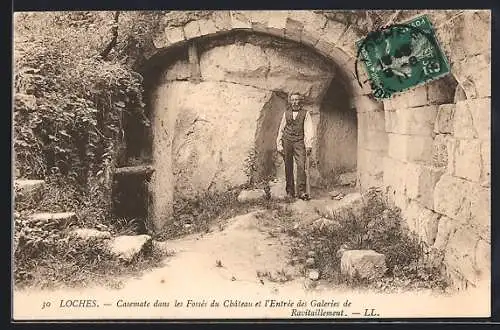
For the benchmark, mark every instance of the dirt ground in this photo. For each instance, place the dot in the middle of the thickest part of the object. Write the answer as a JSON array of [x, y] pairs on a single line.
[[242, 261]]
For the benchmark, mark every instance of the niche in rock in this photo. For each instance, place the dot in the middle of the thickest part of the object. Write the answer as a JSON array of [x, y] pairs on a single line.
[[265, 138], [337, 133]]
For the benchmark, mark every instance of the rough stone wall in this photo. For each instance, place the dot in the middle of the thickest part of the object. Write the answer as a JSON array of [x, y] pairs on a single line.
[[437, 167]]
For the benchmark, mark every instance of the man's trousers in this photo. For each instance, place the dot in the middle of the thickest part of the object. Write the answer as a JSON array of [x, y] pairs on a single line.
[[295, 151]]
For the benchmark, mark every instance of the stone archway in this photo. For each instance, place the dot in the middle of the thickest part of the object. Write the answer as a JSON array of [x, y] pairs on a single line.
[[186, 46]]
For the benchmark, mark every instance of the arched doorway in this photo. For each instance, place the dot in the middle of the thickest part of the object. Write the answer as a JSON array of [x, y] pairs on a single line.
[[216, 99]]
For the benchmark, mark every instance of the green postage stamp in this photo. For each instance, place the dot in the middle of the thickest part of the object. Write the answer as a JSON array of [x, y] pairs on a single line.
[[401, 56]]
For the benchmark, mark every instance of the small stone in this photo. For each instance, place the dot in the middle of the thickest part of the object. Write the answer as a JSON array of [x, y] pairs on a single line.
[[313, 275], [251, 195], [310, 262], [311, 254]]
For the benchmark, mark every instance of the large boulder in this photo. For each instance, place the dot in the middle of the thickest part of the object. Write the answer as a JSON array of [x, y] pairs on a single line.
[[366, 264], [211, 130]]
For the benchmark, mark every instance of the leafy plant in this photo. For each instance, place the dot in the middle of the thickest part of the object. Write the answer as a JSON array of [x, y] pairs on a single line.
[[377, 227]]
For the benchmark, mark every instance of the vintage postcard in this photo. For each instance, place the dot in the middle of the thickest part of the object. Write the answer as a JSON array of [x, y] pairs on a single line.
[[312, 164]]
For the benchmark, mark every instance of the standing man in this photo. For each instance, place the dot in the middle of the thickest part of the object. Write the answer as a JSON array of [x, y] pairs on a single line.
[[295, 137]]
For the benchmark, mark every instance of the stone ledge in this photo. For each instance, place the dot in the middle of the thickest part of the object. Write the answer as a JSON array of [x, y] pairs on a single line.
[[134, 170], [61, 220]]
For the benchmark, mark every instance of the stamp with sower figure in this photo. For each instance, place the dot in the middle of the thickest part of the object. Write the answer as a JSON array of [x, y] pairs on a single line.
[[401, 56]]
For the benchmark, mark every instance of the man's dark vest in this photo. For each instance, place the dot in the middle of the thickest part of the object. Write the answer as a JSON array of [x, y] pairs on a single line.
[[294, 129]]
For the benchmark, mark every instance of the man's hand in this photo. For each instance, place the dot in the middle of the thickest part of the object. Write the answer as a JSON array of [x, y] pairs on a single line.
[[308, 151]]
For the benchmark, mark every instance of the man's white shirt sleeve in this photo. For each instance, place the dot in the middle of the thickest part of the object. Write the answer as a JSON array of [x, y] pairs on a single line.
[[308, 131], [280, 130]]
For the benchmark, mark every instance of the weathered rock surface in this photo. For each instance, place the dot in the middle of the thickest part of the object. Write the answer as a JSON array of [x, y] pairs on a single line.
[[258, 63], [251, 195], [88, 233], [334, 193], [366, 264], [191, 159], [127, 247]]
